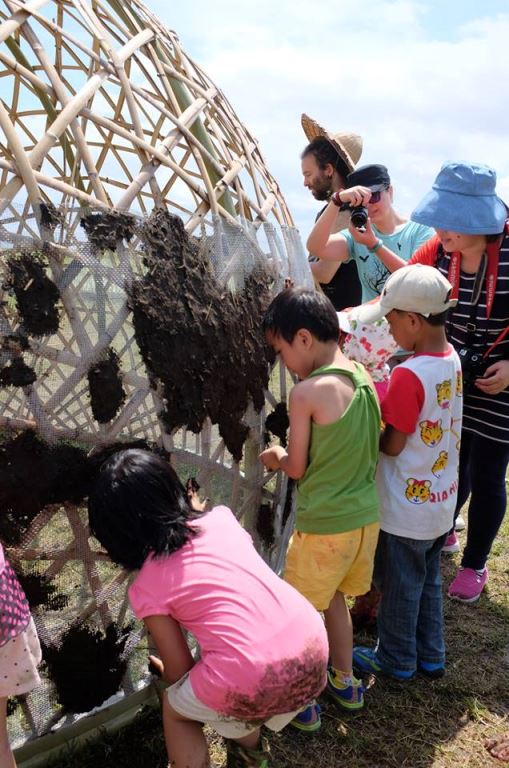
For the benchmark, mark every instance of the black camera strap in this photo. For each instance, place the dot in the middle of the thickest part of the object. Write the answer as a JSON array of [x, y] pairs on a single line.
[[474, 300]]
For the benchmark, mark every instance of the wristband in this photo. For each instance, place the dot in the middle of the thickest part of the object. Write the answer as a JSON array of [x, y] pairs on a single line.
[[379, 243], [336, 199]]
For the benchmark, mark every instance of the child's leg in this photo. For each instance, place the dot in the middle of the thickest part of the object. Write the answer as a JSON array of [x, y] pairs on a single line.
[[6, 756], [339, 631], [430, 626], [400, 573], [184, 739]]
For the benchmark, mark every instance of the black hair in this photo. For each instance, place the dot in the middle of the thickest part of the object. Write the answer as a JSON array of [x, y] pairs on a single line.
[[138, 506], [296, 308], [325, 154], [434, 320]]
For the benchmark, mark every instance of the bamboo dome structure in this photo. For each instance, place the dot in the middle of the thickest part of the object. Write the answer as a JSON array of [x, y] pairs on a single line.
[[141, 237]]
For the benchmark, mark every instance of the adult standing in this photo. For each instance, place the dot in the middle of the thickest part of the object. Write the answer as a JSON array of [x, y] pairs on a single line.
[[379, 246], [326, 162], [472, 248]]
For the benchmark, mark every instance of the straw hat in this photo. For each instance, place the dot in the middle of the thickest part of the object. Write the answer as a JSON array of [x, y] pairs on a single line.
[[347, 145]]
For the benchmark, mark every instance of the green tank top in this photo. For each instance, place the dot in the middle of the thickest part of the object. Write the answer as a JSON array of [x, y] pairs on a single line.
[[338, 491]]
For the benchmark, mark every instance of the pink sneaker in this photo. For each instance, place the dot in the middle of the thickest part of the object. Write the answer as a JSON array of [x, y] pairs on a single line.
[[451, 544], [468, 585]]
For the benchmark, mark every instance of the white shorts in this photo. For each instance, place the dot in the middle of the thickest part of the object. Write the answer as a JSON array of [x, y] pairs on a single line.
[[182, 699], [19, 659]]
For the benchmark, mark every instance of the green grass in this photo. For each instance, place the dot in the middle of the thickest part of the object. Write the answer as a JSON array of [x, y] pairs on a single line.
[[419, 724]]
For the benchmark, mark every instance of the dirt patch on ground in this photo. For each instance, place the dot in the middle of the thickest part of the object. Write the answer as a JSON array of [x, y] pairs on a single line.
[[107, 394], [37, 297], [87, 667], [201, 344]]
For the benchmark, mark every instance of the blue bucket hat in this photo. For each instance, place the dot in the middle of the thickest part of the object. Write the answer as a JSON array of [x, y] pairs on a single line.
[[463, 199]]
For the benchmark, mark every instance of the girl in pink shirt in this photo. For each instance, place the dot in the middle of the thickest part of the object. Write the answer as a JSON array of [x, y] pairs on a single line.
[[263, 647]]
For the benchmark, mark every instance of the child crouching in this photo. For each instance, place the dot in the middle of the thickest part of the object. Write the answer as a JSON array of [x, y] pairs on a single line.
[[263, 647]]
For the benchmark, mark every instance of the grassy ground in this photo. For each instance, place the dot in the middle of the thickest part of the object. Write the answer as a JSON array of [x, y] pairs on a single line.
[[420, 724]]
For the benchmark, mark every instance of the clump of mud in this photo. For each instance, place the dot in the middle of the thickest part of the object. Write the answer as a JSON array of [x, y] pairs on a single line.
[[87, 667], [277, 423], [34, 474], [107, 394], [50, 216], [201, 344], [106, 228], [41, 591], [265, 524], [37, 297], [17, 374]]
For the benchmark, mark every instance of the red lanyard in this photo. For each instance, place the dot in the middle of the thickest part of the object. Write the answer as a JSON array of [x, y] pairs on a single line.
[[492, 250]]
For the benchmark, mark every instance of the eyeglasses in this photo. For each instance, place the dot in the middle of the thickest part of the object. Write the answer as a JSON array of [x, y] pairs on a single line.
[[375, 196]]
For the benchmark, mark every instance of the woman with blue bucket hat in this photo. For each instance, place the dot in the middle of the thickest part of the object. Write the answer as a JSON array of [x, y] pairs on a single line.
[[471, 249]]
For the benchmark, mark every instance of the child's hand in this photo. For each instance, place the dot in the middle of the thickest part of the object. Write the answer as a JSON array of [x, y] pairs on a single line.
[[192, 488], [156, 666], [271, 457]]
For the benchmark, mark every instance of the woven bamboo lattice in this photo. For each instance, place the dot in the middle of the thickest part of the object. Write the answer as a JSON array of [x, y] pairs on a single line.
[[141, 236]]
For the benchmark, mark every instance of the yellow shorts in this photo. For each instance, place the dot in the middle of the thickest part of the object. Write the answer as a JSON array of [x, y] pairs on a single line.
[[318, 566]]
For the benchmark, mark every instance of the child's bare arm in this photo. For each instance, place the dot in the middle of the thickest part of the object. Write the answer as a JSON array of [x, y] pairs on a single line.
[[171, 646], [392, 441], [293, 462]]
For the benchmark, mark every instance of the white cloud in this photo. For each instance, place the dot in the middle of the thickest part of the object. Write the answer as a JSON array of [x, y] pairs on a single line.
[[422, 82]]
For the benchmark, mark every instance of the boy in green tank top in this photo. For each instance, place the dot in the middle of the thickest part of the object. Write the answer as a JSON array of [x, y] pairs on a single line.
[[332, 452]]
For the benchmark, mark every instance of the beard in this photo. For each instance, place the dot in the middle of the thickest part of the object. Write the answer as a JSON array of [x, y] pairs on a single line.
[[322, 188]]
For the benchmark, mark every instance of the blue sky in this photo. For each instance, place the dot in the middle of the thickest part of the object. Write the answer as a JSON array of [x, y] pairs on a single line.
[[422, 82]]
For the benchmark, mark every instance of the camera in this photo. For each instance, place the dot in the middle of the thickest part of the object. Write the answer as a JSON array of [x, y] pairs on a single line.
[[358, 216], [473, 366]]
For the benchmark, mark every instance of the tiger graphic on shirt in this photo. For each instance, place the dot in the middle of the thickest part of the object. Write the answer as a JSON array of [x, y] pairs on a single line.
[[444, 393], [431, 432], [417, 491], [440, 463]]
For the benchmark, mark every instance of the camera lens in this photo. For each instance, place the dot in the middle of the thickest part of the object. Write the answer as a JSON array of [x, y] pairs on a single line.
[[359, 216]]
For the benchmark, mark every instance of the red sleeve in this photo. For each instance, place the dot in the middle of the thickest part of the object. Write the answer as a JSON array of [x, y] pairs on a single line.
[[403, 402], [427, 253]]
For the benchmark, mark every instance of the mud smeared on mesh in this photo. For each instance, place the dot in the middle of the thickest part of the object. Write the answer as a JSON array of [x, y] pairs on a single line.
[[51, 217], [41, 591], [105, 229], [34, 474], [17, 374], [265, 524], [201, 343], [278, 423], [87, 667], [107, 394], [37, 297]]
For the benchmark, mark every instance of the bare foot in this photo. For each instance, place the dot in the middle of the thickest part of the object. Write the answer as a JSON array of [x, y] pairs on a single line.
[[499, 747]]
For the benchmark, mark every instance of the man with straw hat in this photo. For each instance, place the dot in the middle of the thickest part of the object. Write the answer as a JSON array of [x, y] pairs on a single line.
[[326, 162]]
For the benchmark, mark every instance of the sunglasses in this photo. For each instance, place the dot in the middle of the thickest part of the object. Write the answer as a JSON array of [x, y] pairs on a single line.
[[375, 196]]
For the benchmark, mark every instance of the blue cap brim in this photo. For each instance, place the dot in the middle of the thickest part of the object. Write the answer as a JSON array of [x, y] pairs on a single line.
[[468, 214]]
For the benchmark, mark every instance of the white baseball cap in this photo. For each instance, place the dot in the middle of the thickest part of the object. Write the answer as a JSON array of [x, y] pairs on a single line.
[[415, 288]]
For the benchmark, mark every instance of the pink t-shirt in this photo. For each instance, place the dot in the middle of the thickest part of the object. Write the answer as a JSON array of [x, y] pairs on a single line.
[[263, 646]]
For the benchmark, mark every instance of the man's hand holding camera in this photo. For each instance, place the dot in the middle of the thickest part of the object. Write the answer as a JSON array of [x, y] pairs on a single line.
[[356, 199]]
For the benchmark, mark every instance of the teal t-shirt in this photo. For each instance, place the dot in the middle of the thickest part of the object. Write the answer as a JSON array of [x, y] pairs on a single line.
[[372, 273], [338, 491]]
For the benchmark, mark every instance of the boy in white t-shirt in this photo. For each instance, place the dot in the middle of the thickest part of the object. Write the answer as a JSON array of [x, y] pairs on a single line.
[[417, 476]]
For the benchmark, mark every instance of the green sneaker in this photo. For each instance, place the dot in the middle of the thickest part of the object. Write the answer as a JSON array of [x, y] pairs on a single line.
[[349, 697], [242, 757]]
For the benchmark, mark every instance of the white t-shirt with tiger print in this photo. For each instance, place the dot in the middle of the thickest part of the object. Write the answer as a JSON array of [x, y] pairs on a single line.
[[418, 489]]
